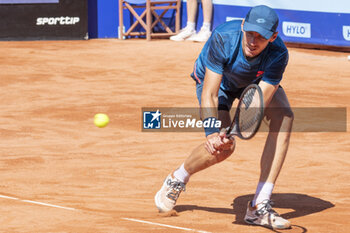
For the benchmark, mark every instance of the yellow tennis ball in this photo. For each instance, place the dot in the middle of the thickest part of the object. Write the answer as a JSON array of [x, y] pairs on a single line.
[[101, 120]]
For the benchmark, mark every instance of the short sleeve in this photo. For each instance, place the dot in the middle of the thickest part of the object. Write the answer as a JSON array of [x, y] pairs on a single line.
[[217, 56], [274, 70]]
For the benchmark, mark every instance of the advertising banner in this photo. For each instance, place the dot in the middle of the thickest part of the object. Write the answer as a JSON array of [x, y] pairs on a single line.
[[305, 22], [43, 19], [27, 1]]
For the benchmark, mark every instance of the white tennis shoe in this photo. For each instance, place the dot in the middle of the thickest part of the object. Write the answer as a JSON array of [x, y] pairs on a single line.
[[183, 34], [202, 36], [167, 196], [262, 214]]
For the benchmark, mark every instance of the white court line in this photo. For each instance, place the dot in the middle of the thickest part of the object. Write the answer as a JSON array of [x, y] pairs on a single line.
[[45, 204], [37, 203], [129, 219], [164, 225], [7, 197]]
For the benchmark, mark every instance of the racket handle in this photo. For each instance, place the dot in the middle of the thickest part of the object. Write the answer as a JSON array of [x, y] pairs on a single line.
[[231, 131]]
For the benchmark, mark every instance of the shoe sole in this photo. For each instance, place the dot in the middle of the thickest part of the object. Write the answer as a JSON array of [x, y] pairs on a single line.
[[180, 39], [159, 205], [176, 40], [267, 226]]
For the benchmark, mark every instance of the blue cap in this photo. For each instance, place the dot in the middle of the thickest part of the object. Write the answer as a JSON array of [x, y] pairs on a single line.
[[261, 19]]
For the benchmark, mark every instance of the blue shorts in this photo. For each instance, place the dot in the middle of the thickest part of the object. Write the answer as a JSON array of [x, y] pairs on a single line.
[[226, 98]]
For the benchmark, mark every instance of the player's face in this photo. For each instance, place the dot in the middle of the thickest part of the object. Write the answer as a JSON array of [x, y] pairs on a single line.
[[254, 43]]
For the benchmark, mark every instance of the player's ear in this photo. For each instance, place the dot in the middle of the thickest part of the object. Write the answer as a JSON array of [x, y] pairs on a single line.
[[242, 24], [273, 37]]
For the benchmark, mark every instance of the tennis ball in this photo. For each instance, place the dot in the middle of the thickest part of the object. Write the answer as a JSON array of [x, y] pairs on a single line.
[[101, 120]]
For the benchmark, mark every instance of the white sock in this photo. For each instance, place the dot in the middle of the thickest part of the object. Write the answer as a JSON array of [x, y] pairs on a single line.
[[263, 192], [206, 26], [191, 25], [181, 174]]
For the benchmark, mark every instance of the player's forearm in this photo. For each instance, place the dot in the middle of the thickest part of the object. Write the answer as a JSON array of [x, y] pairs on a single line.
[[209, 106], [209, 115], [209, 102]]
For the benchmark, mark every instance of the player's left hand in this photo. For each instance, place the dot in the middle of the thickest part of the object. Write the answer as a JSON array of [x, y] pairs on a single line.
[[216, 143], [226, 143]]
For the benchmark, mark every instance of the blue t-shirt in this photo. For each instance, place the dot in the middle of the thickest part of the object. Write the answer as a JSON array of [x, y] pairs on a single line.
[[223, 54]]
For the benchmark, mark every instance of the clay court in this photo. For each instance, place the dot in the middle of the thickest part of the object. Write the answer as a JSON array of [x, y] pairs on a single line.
[[61, 173]]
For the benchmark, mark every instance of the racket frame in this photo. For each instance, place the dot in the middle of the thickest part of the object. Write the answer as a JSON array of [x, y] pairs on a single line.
[[233, 129]]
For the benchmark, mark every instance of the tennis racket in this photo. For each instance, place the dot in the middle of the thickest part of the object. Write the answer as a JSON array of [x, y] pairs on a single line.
[[249, 113]]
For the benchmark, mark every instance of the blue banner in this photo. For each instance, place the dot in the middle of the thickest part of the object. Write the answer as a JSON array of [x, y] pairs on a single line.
[[307, 22]]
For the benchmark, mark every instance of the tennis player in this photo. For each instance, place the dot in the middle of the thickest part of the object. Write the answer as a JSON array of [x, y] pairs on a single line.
[[237, 54]]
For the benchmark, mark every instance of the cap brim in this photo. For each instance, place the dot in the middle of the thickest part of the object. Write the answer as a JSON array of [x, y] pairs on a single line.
[[255, 28]]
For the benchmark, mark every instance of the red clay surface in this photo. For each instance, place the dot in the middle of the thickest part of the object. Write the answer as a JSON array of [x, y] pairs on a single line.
[[52, 153]]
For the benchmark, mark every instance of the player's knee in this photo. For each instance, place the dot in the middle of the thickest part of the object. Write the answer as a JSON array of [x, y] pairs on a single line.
[[279, 113], [288, 115], [281, 118]]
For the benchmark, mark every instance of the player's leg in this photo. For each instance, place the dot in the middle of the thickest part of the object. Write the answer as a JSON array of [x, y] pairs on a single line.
[[201, 159], [175, 182], [198, 160], [280, 118]]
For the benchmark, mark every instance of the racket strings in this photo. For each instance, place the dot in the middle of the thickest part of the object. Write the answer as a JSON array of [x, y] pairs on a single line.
[[249, 113]]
